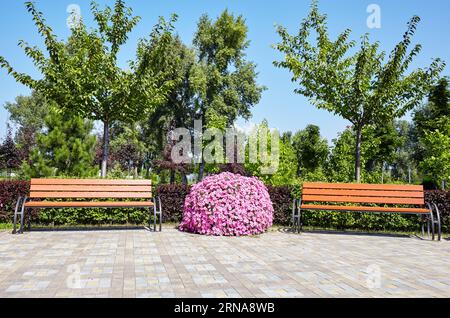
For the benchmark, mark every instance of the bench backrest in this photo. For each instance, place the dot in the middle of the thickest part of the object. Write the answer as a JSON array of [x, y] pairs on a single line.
[[90, 188], [363, 193]]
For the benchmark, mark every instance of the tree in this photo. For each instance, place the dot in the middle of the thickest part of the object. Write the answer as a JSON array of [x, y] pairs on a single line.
[[404, 166], [340, 167], [227, 87], [432, 133], [27, 113], [81, 75], [436, 164], [178, 110], [427, 117], [167, 163], [280, 162], [65, 148], [127, 149], [9, 154], [382, 142], [363, 88], [311, 149]]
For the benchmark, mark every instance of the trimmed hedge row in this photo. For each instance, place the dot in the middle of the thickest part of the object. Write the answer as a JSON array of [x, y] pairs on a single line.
[[172, 197], [442, 200], [9, 192], [172, 200]]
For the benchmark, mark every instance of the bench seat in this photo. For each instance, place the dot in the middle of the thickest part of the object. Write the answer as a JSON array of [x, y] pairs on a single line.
[[88, 193], [364, 209], [80, 204], [370, 198]]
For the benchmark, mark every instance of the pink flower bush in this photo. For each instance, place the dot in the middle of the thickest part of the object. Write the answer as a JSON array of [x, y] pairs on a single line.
[[227, 205]]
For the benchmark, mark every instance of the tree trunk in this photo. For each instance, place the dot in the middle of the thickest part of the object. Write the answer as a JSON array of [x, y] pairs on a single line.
[[105, 152], [358, 154], [172, 176], [184, 179], [201, 170]]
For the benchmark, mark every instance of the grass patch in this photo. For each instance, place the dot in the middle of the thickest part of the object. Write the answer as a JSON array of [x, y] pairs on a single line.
[[6, 226]]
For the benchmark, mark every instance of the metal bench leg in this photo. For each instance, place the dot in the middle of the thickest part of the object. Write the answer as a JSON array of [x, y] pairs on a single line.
[[154, 216], [432, 226], [423, 226], [294, 214], [22, 215], [160, 214], [438, 221], [300, 219], [16, 212], [157, 213], [149, 218]]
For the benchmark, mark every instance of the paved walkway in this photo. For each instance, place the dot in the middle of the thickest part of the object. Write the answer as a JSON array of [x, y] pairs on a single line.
[[136, 263]]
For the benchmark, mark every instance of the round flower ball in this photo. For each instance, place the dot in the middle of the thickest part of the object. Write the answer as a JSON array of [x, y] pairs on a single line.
[[228, 204]]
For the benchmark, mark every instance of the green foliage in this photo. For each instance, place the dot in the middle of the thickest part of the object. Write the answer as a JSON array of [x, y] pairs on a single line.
[[73, 217], [311, 150], [403, 165], [27, 114], [81, 75], [362, 221], [28, 111], [382, 141], [364, 87], [65, 148], [432, 132], [436, 164], [226, 81], [340, 167], [9, 154], [286, 164], [127, 150]]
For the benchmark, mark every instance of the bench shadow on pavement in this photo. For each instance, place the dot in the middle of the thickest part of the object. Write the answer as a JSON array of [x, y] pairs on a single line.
[[289, 230], [90, 228]]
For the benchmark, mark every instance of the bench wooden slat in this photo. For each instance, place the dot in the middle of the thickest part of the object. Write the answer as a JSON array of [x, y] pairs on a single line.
[[353, 199], [116, 204], [364, 193], [89, 182], [91, 192], [92, 195], [382, 198], [354, 186], [85, 188], [365, 209]]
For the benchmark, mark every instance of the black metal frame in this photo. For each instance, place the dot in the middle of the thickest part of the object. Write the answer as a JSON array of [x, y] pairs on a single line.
[[430, 218], [21, 210]]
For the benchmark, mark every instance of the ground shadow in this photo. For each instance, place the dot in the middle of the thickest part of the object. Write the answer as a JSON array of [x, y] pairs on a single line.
[[89, 229], [290, 230]]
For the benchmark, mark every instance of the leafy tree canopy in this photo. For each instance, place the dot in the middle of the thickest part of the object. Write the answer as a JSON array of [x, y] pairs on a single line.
[[364, 87], [311, 149], [82, 76], [64, 148]]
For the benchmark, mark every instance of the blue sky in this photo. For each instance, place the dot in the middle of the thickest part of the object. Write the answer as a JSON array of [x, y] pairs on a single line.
[[283, 109]]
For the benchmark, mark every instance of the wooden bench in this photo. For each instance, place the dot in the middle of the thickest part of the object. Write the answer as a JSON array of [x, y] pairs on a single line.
[[372, 198], [88, 193]]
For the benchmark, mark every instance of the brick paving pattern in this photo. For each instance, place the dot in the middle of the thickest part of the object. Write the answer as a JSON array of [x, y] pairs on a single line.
[[137, 263]]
